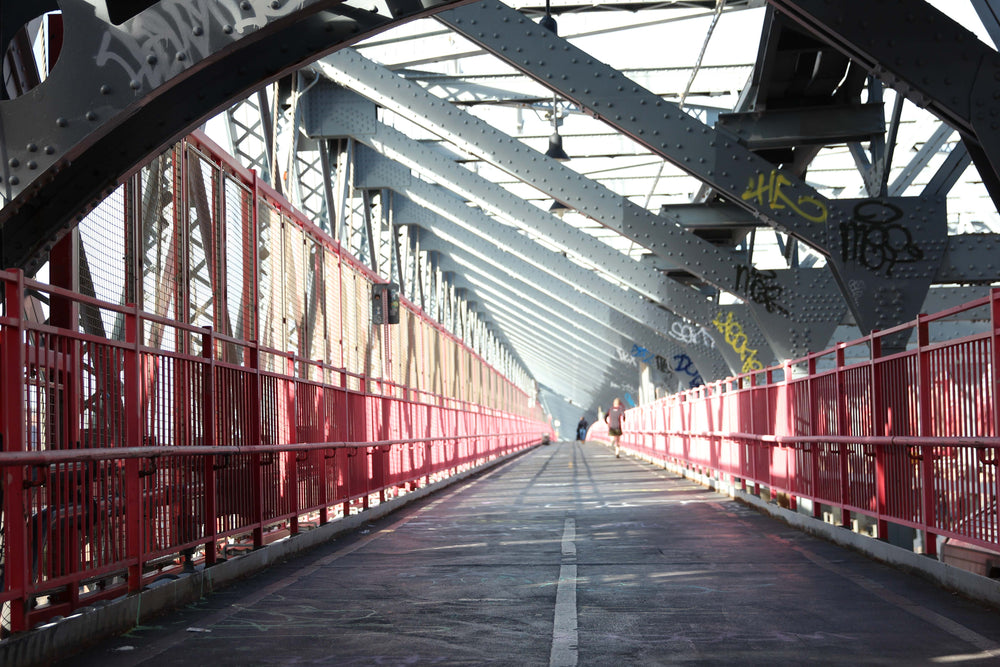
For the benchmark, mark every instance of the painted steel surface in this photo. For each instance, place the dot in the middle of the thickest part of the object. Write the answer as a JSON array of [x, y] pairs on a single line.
[[198, 422], [909, 438]]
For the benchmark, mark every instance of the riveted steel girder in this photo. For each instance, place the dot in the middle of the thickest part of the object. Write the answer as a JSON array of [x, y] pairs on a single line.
[[883, 282], [926, 56], [785, 128], [664, 236], [328, 115], [119, 93], [376, 171], [529, 282]]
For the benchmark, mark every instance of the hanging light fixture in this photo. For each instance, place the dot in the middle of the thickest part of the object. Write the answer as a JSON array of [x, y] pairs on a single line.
[[555, 149]]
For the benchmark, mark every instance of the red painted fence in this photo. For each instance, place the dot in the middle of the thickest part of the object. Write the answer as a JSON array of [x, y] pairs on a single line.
[[139, 439], [117, 458], [908, 438]]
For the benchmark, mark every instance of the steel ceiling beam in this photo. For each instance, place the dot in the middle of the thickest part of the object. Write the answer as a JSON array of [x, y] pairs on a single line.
[[665, 237], [883, 285], [923, 54], [123, 92], [526, 281], [377, 171]]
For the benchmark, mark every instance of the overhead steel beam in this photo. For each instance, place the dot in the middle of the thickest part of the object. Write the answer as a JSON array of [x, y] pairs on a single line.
[[786, 128], [332, 113], [551, 321], [526, 281], [884, 283], [923, 54], [123, 92], [664, 237], [377, 171]]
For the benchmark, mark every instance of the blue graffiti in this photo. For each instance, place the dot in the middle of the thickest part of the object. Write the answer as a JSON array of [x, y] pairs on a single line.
[[683, 364], [642, 354], [630, 400]]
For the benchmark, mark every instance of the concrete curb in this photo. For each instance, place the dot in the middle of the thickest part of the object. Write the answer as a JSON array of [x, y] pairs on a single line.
[[63, 638], [973, 586]]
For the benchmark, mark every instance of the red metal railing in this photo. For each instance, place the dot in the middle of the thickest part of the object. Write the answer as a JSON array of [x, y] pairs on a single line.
[[908, 438], [121, 462]]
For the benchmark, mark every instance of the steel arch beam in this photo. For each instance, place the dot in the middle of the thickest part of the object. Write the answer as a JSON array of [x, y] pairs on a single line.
[[465, 249], [122, 92], [377, 171], [815, 304], [880, 293], [340, 116]]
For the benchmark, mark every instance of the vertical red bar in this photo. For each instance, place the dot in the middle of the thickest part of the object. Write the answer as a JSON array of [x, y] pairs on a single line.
[[843, 448], [209, 415], [926, 429], [994, 343], [293, 435], [878, 427], [12, 425], [256, 473], [133, 438]]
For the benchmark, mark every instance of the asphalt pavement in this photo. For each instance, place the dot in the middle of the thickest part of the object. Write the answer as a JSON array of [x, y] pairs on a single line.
[[567, 556]]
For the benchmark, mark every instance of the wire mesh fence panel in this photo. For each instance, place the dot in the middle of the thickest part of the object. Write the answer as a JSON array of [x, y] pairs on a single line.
[[204, 269], [271, 304], [239, 252], [160, 246]]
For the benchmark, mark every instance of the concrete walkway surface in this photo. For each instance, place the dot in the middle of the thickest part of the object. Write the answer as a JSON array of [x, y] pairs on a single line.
[[567, 556]]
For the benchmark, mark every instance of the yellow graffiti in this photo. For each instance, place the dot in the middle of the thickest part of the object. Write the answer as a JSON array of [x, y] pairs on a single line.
[[732, 331], [768, 191]]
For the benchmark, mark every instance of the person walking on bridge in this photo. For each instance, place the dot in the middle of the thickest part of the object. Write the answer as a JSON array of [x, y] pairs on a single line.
[[615, 418]]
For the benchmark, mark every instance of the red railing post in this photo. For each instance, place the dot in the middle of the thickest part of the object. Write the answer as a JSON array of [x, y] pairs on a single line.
[[814, 447], [256, 470], [843, 448], [292, 458], [209, 420], [134, 510], [878, 408], [995, 380], [926, 430], [13, 429]]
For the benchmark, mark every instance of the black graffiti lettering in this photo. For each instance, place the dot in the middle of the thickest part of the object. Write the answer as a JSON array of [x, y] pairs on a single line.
[[874, 240], [760, 287]]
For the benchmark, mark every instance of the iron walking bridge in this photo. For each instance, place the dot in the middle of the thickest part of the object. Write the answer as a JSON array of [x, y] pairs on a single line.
[[562, 556]]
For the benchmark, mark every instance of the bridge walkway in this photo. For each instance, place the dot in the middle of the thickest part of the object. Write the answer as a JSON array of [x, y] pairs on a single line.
[[564, 556]]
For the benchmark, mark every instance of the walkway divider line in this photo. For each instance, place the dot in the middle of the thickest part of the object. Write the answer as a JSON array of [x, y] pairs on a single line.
[[565, 636]]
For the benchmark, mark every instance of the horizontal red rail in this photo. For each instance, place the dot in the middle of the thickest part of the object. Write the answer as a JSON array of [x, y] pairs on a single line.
[[909, 438]]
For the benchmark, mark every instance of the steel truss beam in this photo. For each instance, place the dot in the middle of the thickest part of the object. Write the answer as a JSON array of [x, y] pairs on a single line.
[[324, 120], [883, 284], [123, 92], [573, 307], [377, 171], [926, 56]]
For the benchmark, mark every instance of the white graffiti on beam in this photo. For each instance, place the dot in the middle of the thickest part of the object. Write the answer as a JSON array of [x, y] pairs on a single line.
[[626, 358], [146, 47], [689, 335]]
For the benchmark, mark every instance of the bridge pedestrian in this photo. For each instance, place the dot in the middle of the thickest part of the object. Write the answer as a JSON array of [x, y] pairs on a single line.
[[581, 429], [615, 418]]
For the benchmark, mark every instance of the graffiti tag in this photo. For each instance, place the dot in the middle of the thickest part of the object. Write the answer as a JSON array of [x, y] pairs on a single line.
[[735, 337], [690, 335], [874, 240], [625, 358], [642, 354], [683, 364], [160, 43], [760, 287], [769, 191]]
